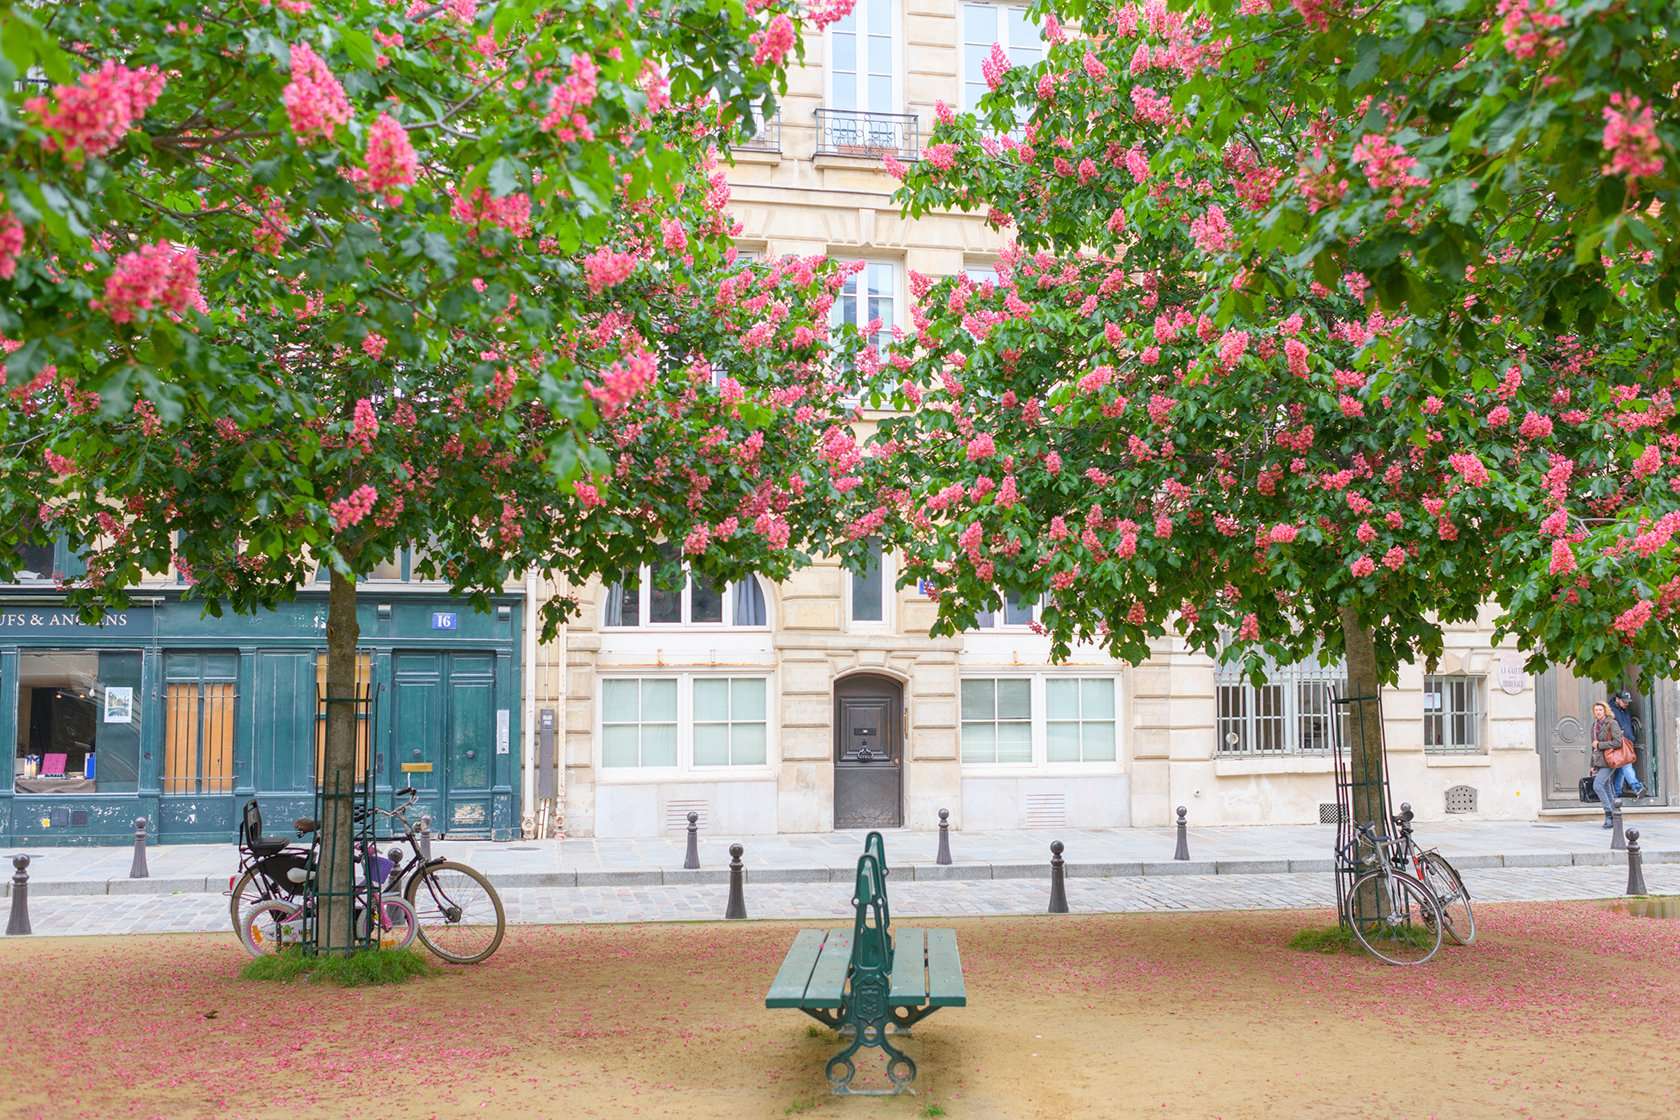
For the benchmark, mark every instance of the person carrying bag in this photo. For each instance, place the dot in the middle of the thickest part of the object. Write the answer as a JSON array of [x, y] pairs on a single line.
[[1606, 737]]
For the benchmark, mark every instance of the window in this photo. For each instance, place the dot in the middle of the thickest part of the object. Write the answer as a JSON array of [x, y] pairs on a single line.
[[687, 722], [670, 595], [47, 563], [402, 566], [869, 587], [1289, 714], [1035, 720], [868, 295], [78, 722], [986, 24], [863, 62], [198, 713], [363, 688], [1014, 613], [1452, 715], [981, 273]]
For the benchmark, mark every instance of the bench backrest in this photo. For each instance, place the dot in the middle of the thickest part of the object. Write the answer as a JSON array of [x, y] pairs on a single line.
[[872, 948], [874, 846]]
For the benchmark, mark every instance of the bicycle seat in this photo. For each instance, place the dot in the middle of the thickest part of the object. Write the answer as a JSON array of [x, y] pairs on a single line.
[[250, 833]]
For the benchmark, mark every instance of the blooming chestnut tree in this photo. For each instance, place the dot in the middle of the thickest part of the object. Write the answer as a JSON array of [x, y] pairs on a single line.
[[295, 285], [1108, 429]]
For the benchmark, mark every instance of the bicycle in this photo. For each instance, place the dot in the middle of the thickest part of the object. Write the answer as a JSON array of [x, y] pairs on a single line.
[[277, 925], [458, 913], [1442, 878], [271, 868], [1381, 904]]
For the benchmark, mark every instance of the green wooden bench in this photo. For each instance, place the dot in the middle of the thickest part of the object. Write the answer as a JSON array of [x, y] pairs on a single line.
[[869, 977]]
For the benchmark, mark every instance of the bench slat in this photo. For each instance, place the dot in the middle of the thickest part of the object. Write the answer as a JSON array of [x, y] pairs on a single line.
[[828, 979], [944, 970], [794, 977], [909, 974]]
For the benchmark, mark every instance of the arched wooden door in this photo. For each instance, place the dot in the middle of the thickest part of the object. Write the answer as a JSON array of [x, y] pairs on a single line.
[[868, 753]]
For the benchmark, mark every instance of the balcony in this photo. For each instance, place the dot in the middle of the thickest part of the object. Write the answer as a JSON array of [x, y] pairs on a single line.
[[767, 138], [846, 132]]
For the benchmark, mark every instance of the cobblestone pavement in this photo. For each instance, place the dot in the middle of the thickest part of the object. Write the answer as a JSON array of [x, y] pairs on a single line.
[[198, 912]]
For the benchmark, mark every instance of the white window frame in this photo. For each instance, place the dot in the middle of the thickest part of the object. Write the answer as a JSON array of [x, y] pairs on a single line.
[[1437, 687], [964, 78], [644, 615], [685, 766], [1039, 709], [889, 596], [883, 339], [998, 619], [1300, 700], [862, 31]]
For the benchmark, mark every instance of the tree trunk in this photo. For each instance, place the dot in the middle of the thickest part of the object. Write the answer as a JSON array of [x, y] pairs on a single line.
[[338, 770], [1364, 727]]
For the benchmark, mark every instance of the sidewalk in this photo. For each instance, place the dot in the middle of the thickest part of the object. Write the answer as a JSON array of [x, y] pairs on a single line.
[[832, 857]]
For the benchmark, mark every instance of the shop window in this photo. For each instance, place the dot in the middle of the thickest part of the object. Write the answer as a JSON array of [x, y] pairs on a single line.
[[668, 594], [1452, 715], [198, 722], [78, 722], [684, 722], [364, 712]]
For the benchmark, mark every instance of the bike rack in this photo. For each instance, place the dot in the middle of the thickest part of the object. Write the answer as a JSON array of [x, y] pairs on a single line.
[[357, 804]]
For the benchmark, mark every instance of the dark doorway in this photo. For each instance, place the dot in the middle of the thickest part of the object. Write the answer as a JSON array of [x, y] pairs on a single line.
[[868, 753]]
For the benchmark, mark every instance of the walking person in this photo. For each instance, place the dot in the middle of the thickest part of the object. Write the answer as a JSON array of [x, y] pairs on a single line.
[[1606, 735], [1625, 776]]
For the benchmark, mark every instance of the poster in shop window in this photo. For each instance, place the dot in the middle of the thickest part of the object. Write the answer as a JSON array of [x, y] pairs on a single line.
[[119, 704]]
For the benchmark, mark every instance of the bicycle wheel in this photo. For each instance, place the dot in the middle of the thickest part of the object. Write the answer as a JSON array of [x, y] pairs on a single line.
[[247, 892], [458, 913], [397, 927], [1395, 917], [271, 927], [1443, 878]]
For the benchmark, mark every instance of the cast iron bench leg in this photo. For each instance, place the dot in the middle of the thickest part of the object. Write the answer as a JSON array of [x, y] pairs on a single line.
[[867, 1010]]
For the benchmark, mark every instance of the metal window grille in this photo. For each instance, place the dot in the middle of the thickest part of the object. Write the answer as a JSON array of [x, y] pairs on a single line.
[[851, 132], [1452, 715], [198, 726], [1289, 714], [765, 136]]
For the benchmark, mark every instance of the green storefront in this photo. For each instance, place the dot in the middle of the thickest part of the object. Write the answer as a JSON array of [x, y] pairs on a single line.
[[164, 713]]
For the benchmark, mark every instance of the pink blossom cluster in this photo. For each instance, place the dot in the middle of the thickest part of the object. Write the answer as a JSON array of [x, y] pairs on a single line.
[[1526, 26], [314, 99], [773, 42], [1211, 231], [995, 66], [1630, 138], [566, 116], [510, 212], [151, 276], [11, 245], [606, 267], [1387, 166], [1362, 566], [1315, 13], [391, 161], [374, 346], [623, 380], [824, 12], [349, 510], [1470, 468], [1630, 620], [91, 117], [365, 424], [1232, 346]]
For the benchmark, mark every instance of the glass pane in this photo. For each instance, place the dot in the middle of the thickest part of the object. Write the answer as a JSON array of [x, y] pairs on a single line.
[[659, 744], [972, 93], [388, 568], [619, 701], [711, 701], [880, 101], [880, 55], [619, 745], [1098, 698], [845, 96], [1099, 740], [628, 594], [880, 13], [1021, 33], [659, 701], [1014, 742], [1015, 613], [1014, 699], [881, 280], [705, 601], [979, 699], [748, 699], [711, 744], [750, 746], [1062, 743], [1061, 699], [980, 24], [867, 589], [845, 52], [979, 742], [35, 561]]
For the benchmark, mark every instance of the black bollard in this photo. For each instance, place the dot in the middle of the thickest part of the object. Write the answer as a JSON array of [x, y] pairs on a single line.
[[1636, 868], [1058, 871], [426, 838], [691, 861], [944, 837], [19, 923], [737, 907], [1618, 841], [138, 869], [1183, 850]]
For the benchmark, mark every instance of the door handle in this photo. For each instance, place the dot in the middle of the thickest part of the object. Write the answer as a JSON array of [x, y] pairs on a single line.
[[864, 754], [472, 754]]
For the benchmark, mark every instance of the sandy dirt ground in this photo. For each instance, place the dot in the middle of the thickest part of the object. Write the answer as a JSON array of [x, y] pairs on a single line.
[[1162, 1015]]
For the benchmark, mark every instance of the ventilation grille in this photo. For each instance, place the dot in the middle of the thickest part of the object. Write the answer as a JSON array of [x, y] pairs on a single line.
[[60, 818], [676, 815], [1046, 810], [1331, 812], [1461, 799], [78, 818]]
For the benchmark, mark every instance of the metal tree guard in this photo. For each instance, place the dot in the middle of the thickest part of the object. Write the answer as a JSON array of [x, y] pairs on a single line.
[[360, 932], [1362, 800]]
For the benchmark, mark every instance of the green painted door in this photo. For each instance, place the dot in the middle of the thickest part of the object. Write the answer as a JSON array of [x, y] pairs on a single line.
[[443, 727]]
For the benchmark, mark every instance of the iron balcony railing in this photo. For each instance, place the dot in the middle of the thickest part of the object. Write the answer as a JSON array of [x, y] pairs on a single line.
[[846, 132], [766, 138]]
